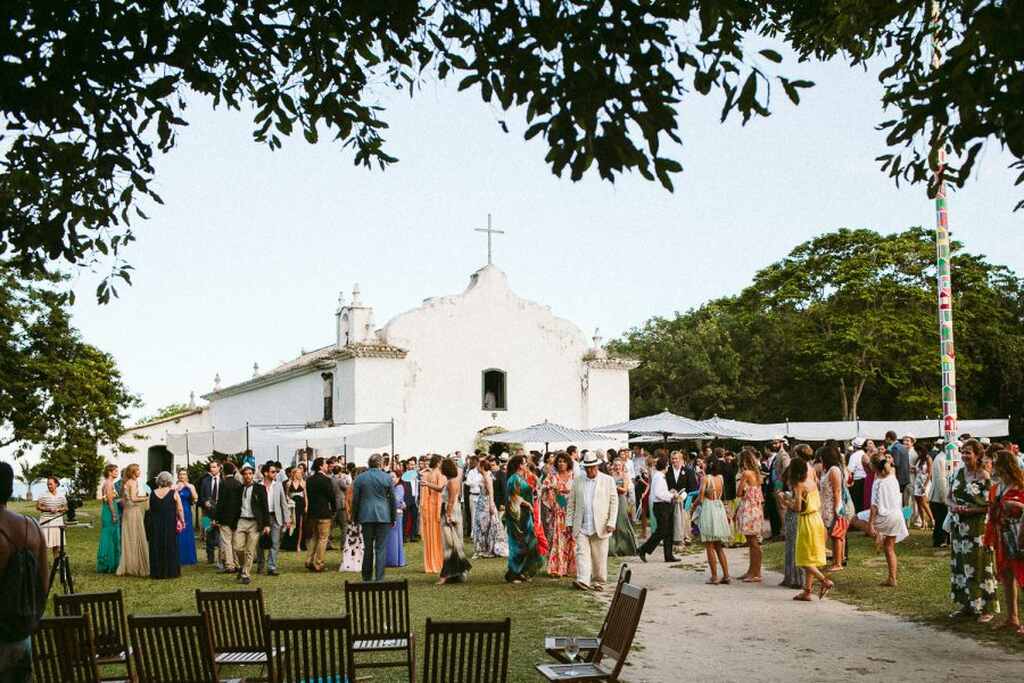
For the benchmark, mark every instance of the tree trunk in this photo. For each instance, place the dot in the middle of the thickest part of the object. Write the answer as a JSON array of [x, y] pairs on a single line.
[[846, 401]]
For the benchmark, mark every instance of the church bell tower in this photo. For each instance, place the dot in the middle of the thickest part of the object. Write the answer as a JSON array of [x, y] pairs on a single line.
[[354, 320]]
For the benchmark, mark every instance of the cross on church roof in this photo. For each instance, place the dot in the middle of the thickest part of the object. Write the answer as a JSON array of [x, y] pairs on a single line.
[[490, 231]]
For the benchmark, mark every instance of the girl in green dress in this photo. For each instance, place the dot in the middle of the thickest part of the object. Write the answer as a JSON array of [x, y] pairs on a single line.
[[972, 573], [108, 556]]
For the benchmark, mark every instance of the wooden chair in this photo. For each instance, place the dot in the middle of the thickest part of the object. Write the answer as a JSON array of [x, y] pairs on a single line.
[[555, 645], [615, 643], [64, 651], [173, 649], [466, 651], [106, 616], [313, 649], [379, 620], [236, 625]]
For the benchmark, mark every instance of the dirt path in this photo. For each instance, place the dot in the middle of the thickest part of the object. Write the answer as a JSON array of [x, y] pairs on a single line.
[[747, 632]]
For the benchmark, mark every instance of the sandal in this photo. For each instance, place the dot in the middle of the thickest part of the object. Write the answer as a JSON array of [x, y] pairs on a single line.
[[802, 596], [825, 589], [726, 580], [712, 582], [1006, 625], [986, 618], [752, 579]]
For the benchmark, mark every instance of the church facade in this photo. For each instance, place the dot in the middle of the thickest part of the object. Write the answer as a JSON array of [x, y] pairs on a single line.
[[441, 372]]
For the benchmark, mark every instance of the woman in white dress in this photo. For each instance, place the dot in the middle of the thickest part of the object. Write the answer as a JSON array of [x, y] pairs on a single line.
[[52, 505], [885, 519], [922, 489]]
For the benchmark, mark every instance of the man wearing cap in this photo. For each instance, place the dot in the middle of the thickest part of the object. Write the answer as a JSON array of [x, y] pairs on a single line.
[[590, 515], [253, 519], [855, 466]]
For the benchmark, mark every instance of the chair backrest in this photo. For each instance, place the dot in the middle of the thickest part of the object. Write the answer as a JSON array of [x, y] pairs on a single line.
[[623, 619], [625, 574], [106, 615], [236, 619], [378, 610], [172, 649], [466, 651], [64, 651], [309, 649]]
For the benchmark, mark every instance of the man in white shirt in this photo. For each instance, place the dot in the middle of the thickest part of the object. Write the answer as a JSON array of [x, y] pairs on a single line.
[[590, 515], [855, 466], [937, 496], [474, 484], [664, 501]]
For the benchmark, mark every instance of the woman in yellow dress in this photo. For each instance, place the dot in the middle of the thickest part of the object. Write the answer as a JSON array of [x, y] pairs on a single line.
[[810, 530]]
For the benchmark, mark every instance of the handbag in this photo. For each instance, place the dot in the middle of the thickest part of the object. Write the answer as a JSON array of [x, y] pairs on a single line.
[[839, 528], [1011, 536]]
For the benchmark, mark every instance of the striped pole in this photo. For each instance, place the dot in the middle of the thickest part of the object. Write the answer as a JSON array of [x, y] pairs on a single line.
[[944, 283]]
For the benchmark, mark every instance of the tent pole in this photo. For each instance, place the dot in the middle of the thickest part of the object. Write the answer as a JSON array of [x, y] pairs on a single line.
[[392, 436], [188, 462]]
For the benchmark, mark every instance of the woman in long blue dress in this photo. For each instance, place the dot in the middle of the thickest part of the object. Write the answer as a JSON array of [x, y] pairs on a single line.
[[187, 536], [108, 556], [395, 548], [524, 559]]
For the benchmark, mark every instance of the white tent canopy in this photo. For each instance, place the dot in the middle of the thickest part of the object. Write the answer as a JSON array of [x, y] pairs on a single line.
[[266, 443], [664, 423], [821, 431], [547, 432]]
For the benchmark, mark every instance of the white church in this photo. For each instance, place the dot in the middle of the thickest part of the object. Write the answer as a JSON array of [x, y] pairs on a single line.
[[437, 375]]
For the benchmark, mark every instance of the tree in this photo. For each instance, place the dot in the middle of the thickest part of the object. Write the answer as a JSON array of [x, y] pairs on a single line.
[[165, 411], [27, 475], [843, 327], [91, 90], [56, 391]]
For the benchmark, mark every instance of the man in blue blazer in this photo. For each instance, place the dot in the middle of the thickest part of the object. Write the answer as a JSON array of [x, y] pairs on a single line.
[[373, 507]]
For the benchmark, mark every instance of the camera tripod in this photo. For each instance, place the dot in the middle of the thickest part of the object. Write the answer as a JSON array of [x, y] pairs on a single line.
[[61, 567]]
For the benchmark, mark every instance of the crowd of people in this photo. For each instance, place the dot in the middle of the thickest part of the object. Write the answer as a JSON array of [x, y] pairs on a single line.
[[565, 513]]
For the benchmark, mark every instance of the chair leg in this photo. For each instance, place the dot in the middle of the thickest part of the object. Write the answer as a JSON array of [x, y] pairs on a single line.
[[412, 658]]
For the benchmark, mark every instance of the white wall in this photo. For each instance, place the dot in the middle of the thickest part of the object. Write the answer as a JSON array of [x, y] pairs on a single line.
[[451, 340], [143, 438], [297, 400]]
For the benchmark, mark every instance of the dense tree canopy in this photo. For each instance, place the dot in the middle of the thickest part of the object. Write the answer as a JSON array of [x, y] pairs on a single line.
[[56, 391], [844, 327], [91, 89]]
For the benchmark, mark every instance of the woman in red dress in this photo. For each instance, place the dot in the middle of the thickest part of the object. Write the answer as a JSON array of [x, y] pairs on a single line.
[[538, 528], [1006, 505]]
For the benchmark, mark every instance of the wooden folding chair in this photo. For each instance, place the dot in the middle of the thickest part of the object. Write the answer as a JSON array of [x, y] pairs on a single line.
[[110, 630], [555, 645], [378, 615], [174, 649], [236, 625], [466, 651], [311, 649], [64, 651], [615, 643]]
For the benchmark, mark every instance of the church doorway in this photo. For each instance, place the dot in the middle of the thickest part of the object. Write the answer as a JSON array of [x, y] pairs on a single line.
[[158, 460]]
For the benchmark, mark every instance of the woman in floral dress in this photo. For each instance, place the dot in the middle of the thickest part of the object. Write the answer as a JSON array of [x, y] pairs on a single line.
[[488, 533], [972, 573], [557, 486], [750, 513]]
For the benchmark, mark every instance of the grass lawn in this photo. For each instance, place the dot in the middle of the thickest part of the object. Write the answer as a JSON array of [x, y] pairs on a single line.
[[923, 591], [541, 607]]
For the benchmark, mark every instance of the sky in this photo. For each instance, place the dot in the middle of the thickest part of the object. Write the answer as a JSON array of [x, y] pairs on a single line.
[[244, 261]]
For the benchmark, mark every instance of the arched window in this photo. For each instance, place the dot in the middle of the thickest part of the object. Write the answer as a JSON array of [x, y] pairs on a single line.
[[493, 394], [328, 378]]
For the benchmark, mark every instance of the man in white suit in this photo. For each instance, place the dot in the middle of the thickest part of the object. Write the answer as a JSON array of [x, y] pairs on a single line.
[[591, 514]]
